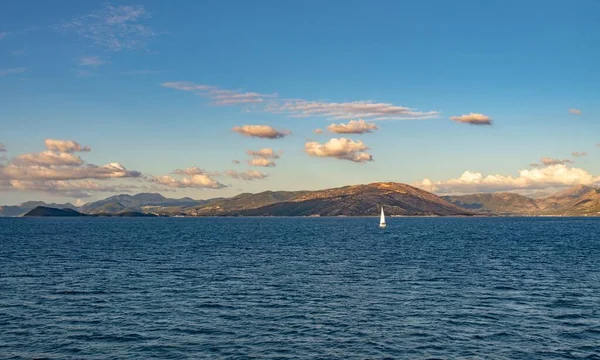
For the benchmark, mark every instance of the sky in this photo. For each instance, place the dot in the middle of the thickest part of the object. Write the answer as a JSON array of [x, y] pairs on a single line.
[[213, 98]]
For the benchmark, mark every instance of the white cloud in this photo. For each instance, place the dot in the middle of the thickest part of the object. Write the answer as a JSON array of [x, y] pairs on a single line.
[[2, 148], [259, 161], [12, 71], [472, 182], [260, 131], [341, 148], [91, 61], [67, 146], [48, 158], [352, 127], [86, 171], [348, 110], [303, 108], [247, 175], [75, 188], [579, 153], [220, 96], [473, 119], [199, 181], [58, 171], [575, 111], [113, 27], [319, 131]]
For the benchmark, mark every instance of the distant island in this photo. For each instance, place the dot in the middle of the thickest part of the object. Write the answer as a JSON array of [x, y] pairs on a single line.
[[357, 200], [43, 211]]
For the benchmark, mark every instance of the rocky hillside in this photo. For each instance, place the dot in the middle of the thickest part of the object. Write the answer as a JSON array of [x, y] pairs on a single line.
[[358, 200], [576, 201]]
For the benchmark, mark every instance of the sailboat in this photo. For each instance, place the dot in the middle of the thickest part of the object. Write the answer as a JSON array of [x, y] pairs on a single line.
[[382, 219]]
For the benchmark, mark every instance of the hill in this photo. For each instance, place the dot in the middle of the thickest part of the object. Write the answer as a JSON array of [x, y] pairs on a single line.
[[579, 200], [358, 200], [143, 202], [23, 208], [43, 211]]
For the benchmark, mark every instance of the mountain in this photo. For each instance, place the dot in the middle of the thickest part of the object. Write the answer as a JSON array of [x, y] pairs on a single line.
[[21, 209], [43, 211], [358, 200], [143, 202], [495, 203], [579, 200]]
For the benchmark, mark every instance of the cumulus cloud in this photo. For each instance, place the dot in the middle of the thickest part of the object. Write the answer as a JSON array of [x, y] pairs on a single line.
[[76, 188], [199, 181], [319, 131], [550, 161], [12, 71], [575, 111], [91, 61], [260, 131], [86, 171], [2, 148], [473, 119], [220, 96], [259, 161], [352, 127], [115, 28], [58, 170], [579, 153], [340, 148], [551, 176], [246, 175], [303, 108], [67, 146], [266, 153], [48, 158]]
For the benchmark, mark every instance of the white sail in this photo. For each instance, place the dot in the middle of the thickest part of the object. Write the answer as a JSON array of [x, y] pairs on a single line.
[[382, 219]]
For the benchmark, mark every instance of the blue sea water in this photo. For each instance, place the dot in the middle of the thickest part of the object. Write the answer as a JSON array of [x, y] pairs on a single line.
[[302, 288]]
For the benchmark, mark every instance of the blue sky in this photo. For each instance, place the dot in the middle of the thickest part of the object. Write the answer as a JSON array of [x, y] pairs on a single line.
[[114, 75]]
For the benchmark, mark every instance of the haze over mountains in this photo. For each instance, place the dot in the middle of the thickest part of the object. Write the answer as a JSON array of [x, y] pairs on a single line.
[[358, 200]]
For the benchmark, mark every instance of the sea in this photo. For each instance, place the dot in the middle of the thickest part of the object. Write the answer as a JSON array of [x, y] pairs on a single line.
[[300, 288]]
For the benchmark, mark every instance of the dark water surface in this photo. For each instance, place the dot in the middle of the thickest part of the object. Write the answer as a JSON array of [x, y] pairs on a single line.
[[320, 288]]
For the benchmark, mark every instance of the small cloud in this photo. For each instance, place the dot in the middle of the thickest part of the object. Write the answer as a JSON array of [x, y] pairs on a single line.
[[115, 28], [319, 131], [247, 175], [341, 148], [575, 111], [259, 161], [579, 154], [67, 146], [473, 119], [91, 61], [4, 34], [266, 153], [260, 131], [2, 148], [534, 164], [550, 161], [200, 181], [237, 162], [12, 71], [352, 127]]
